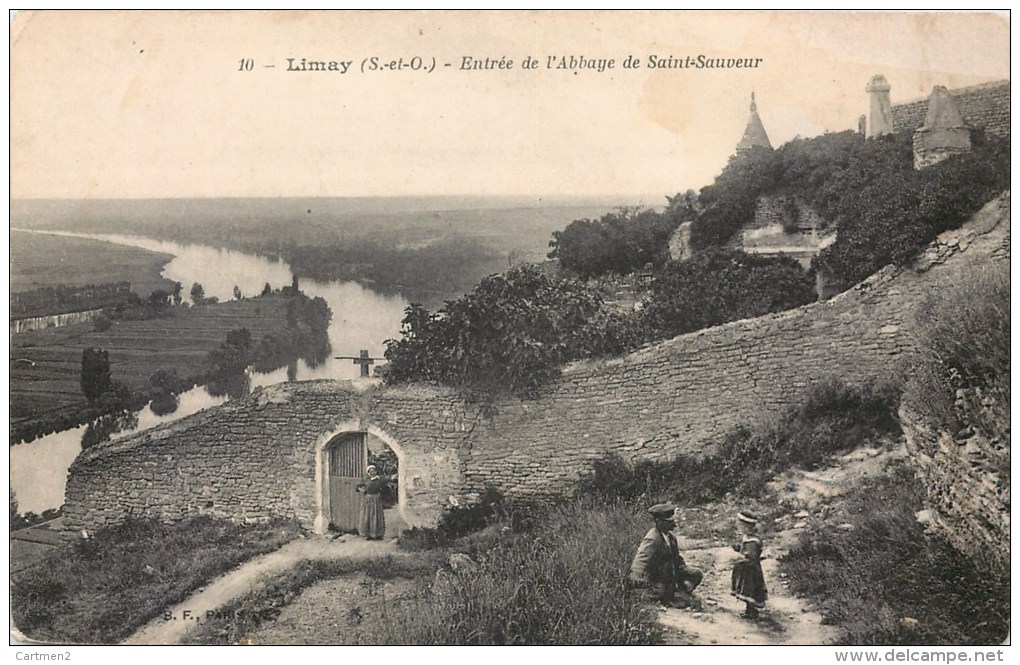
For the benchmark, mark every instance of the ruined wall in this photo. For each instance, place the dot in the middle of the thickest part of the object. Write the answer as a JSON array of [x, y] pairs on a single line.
[[982, 106], [257, 457]]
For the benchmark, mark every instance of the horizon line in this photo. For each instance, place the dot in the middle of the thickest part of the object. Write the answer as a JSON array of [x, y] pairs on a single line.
[[343, 196]]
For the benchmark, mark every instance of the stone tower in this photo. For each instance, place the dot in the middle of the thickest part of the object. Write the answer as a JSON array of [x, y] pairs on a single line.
[[880, 121], [755, 134], [943, 133]]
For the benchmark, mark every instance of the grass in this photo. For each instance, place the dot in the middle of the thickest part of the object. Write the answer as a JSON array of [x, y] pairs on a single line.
[[865, 579], [833, 418], [41, 260], [559, 581], [239, 619], [101, 590], [962, 374]]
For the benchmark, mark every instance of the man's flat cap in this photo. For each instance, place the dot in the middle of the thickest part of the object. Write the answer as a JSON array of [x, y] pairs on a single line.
[[662, 510]]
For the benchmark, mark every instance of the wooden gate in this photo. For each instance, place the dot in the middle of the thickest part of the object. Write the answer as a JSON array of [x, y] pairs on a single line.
[[348, 458]]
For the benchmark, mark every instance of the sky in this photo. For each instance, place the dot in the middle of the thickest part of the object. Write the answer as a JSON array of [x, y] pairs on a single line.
[[113, 104]]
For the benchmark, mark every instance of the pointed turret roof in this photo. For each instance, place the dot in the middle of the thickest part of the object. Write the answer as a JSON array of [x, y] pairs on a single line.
[[942, 110], [755, 134]]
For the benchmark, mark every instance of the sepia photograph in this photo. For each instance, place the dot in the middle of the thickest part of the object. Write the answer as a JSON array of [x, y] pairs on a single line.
[[511, 328]]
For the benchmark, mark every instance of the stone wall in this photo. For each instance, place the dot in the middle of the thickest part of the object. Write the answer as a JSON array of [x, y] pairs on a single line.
[[685, 394], [967, 484], [261, 456], [982, 106], [788, 226]]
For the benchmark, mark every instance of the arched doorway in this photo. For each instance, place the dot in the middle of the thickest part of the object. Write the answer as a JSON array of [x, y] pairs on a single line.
[[342, 457]]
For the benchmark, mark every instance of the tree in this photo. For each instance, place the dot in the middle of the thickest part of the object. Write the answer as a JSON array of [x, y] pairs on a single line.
[[178, 287], [165, 379], [510, 334], [15, 522], [237, 292], [719, 285], [267, 289], [619, 242], [95, 374], [164, 403], [101, 323], [197, 293], [159, 297]]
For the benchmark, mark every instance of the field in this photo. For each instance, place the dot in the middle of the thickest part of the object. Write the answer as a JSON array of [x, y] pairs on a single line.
[[48, 261], [46, 364], [517, 228]]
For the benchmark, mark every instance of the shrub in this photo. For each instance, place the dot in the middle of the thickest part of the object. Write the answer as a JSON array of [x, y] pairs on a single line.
[[510, 335], [729, 203], [717, 286], [457, 521], [834, 418], [685, 479], [101, 323], [562, 582], [865, 578], [962, 371], [890, 216], [619, 242]]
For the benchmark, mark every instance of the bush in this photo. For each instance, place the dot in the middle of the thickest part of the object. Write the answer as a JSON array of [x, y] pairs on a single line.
[[865, 578], [101, 323], [685, 479], [717, 286], [457, 521], [729, 203], [884, 210], [619, 242], [892, 214], [962, 372], [509, 336]]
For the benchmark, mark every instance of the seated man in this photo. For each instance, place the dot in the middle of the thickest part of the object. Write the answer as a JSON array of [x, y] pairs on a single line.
[[658, 569]]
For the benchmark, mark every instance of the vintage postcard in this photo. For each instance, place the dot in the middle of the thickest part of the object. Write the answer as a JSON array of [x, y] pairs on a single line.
[[511, 328]]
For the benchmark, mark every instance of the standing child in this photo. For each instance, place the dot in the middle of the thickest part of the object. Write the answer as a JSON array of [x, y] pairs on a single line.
[[748, 582]]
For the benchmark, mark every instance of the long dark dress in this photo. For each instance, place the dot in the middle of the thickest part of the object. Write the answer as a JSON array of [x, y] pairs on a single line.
[[372, 524], [748, 582]]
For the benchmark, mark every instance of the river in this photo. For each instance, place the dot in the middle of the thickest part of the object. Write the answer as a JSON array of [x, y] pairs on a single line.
[[362, 319]]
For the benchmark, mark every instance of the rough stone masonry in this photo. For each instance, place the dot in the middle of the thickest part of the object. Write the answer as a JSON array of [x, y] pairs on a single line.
[[261, 456]]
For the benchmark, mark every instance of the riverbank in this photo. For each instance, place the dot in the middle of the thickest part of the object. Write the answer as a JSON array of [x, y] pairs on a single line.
[[44, 266], [46, 391]]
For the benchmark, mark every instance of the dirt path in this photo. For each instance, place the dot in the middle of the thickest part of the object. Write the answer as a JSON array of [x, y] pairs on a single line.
[[806, 495], [180, 619], [786, 619]]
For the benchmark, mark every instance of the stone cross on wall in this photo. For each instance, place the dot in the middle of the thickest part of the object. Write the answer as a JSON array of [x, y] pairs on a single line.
[[364, 360]]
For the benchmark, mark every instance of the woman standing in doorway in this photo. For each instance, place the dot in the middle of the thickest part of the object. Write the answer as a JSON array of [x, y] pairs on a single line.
[[372, 524]]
